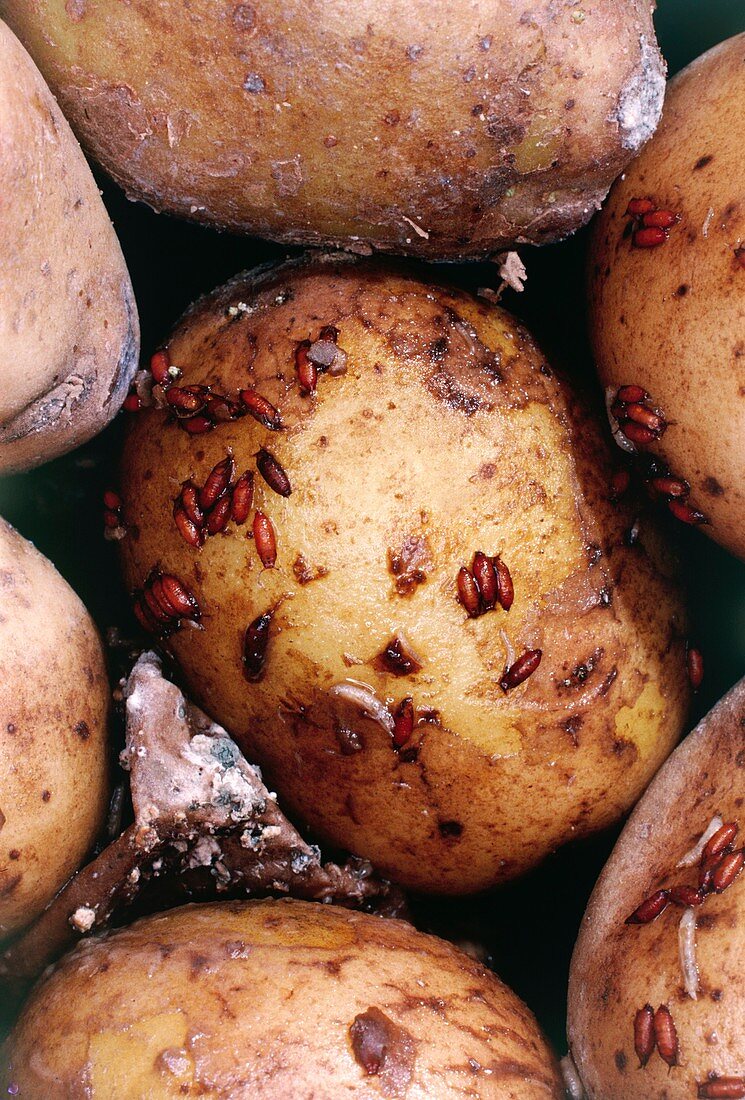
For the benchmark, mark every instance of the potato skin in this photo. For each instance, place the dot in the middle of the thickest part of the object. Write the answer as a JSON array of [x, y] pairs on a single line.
[[617, 968], [54, 699], [442, 130], [448, 433], [256, 999], [68, 324], [672, 318]]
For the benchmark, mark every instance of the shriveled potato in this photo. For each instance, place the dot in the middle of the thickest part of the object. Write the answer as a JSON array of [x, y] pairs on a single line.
[[441, 129], [53, 706], [275, 999], [667, 292], [69, 335], [388, 719], [681, 970]]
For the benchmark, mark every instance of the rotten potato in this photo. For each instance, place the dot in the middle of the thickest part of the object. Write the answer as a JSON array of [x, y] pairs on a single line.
[[656, 991], [376, 532], [203, 823], [667, 300], [274, 999], [69, 335], [444, 130], [54, 698]]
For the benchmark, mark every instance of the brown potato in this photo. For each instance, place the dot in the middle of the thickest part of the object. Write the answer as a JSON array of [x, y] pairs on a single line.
[[54, 698], [437, 129], [69, 335], [447, 435], [619, 968], [271, 1000], [671, 318]]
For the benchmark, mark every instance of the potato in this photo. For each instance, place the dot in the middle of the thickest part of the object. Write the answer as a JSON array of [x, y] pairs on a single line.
[[440, 129], [671, 318], [54, 699], [69, 334], [351, 671], [275, 999], [619, 968]]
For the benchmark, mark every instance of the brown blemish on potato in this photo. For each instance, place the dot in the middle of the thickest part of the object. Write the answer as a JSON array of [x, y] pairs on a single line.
[[712, 487], [305, 573], [703, 161], [396, 659], [410, 563], [384, 1049], [82, 730]]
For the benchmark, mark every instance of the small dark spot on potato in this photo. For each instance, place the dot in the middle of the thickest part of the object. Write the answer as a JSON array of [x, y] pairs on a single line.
[[414, 52], [682, 290], [392, 118], [82, 730], [703, 161], [46, 795], [450, 829], [713, 487], [14, 854], [621, 1061]]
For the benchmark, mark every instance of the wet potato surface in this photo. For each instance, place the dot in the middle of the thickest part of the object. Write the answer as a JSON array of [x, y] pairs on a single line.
[[369, 543]]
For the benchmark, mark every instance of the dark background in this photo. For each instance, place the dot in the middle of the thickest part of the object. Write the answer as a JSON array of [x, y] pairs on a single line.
[[530, 926]]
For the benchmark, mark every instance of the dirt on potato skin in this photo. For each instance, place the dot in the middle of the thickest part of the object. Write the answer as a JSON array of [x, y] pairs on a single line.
[[451, 133]]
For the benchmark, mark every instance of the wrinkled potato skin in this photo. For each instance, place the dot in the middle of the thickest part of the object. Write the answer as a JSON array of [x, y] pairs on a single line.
[[69, 336], [672, 318], [485, 123], [256, 1000], [54, 698], [618, 968], [419, 439]]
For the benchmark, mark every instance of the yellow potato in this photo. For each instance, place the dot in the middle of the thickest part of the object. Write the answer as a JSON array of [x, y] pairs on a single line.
[[54, 698], [69, 335], [671, 318], [271, 1000], [443, 129], [447, 435], [619, 968]]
